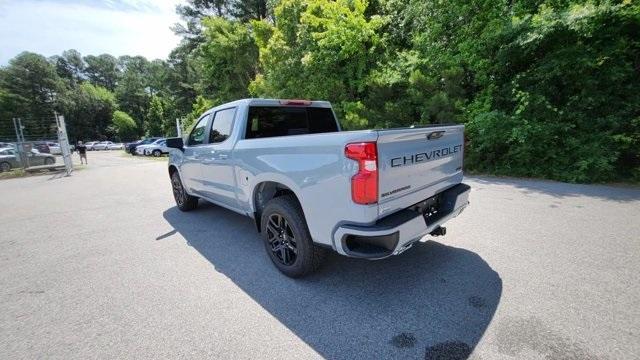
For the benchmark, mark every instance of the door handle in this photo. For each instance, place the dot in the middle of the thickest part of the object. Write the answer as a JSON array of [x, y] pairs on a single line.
[[223, 156]]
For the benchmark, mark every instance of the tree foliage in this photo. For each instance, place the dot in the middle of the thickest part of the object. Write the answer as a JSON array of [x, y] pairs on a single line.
[[88, 109], [546, 88], [123, 125], [227, 60], [319, 49]]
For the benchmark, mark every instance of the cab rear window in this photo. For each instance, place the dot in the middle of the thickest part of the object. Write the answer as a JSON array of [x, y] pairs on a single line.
[[271, 121]]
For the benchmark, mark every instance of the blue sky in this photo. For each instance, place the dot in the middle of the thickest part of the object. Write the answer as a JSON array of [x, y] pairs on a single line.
[[93, 27]]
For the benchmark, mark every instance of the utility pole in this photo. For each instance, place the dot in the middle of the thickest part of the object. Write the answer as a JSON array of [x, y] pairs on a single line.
[[18, 143], [25, 154], [179, 127], [64, 143]]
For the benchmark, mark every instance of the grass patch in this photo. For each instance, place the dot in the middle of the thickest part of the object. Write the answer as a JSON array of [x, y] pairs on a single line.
[[20, 172], [14, 173]]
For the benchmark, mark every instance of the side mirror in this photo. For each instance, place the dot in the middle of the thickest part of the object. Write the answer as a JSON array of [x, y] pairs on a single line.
[[175, 143]]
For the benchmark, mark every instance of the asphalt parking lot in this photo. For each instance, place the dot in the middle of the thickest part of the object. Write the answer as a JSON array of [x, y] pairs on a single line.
[[102, 265]]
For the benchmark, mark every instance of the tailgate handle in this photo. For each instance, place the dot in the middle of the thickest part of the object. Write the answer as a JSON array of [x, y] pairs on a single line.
[[435, 135]]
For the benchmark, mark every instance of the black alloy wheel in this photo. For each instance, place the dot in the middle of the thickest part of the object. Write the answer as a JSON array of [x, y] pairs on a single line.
[[286, 237], [184, 201], [282, 239], [178, 192]]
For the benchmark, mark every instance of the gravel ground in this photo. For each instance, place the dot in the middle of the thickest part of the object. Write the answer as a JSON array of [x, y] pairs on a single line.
[[102, 265]]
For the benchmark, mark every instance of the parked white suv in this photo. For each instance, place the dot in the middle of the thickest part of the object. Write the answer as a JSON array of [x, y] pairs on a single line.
[[140, 150], [156, 149]]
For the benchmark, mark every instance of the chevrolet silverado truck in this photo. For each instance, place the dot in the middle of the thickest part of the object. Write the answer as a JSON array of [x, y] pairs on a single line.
[[312, 188]]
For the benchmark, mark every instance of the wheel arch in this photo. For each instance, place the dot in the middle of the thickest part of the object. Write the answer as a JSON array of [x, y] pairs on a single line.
[[263, 192], [173, 169]]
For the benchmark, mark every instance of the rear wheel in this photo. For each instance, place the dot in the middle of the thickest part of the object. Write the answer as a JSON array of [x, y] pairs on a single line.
[[49, 161], [5, 166], [287, 239], [157, 153], [184, 201]]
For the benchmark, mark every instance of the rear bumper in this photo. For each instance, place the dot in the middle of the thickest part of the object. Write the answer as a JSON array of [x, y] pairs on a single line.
[[395, 233]]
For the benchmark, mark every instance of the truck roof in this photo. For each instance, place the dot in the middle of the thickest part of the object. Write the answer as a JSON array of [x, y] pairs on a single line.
[[273, 102]]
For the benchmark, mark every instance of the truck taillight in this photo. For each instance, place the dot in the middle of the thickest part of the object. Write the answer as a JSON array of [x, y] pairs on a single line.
[[364, 184]]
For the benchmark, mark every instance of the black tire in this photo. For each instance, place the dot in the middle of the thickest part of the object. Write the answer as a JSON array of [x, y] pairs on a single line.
[[290, 237], [157, 153], [5, 166], [49, 161], [184, 201]]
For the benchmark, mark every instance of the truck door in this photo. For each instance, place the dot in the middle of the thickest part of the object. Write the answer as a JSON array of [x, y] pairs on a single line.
[[218, 179], [193, 149]]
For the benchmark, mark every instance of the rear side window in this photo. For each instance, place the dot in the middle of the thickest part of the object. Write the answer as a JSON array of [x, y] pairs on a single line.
[[197, 134], [222, 125], [270, 121]]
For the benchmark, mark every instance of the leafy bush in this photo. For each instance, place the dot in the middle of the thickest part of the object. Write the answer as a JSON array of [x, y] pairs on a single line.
[[123, 125], [563, 96]]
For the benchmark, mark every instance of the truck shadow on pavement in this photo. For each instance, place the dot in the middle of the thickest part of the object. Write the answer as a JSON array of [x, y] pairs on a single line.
[[433, 302]]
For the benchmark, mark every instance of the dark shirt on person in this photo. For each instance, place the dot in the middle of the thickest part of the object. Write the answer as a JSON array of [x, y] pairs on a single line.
[[82, 149]]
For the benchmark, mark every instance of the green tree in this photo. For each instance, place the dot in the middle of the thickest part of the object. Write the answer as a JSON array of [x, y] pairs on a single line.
[[70, 66], [124, 126], [102, 70], [199, 107], [131, 91], [155, 117], [88, 111], [246, 10], [561, 96], [30, 86], [319, 49], [182, 78], [227, 59]]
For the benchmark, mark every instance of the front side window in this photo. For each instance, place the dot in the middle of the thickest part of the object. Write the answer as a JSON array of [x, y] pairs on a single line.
[[222, 125], [197, 134]]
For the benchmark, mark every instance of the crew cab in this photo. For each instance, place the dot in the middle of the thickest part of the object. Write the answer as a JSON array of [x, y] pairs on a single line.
[[311, 187]]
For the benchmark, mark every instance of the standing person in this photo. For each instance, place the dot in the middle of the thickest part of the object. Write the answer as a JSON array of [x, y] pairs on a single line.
[[82, 151]]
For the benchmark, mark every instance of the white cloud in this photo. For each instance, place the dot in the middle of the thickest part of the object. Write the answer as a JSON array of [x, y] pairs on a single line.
[[117, 27]]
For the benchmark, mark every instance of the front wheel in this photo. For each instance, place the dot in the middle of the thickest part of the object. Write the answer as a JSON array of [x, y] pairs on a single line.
[[49, 161], [184, 201], [287, 239], [5, 166]]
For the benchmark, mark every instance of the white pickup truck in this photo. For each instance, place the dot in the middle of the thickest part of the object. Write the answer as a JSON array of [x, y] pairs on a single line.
[[310, 187]]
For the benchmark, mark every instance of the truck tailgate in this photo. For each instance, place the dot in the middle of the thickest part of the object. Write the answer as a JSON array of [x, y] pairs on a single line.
[[417, 163]]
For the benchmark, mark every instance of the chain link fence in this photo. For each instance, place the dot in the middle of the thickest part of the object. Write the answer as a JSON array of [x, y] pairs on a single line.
[[35, 143]]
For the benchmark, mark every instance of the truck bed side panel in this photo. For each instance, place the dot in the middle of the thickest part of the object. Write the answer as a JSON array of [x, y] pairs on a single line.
[[315, 168]]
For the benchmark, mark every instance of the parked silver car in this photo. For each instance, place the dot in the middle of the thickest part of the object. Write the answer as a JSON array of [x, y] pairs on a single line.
[[9, 160], [103, 145]]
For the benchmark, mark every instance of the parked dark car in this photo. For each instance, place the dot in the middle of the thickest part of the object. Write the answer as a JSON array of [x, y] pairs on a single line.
[[131, 147], [8, 159]]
